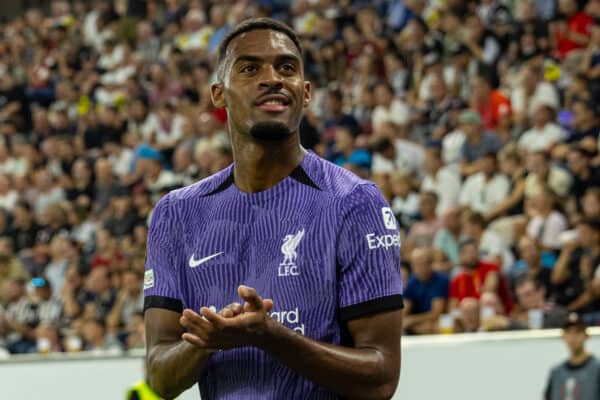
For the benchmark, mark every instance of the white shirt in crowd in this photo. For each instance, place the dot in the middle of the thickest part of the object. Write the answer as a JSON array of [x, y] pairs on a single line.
[[545, 93], [409, 157], [491, 246], [163, 136], [547, 230], [408, 206], [541, 139], [481, 195], [398, 113], [8, 200], [452, 147], [446, 184]]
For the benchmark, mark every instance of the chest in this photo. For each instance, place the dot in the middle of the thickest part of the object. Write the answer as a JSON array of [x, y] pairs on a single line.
[[288, 255]]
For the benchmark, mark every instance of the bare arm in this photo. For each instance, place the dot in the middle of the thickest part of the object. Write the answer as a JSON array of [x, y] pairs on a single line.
[[512, 200], [560, 272], [172, 365], [369, 370]]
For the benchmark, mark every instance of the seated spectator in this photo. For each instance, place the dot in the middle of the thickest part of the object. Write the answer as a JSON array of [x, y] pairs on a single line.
[[30, 311], [586, 121], [426, 294], [477, 278], [491, 104], [422, 232], [511, 165], [10, 270], [492, 247], [122, 218], [405, 201], [574, 271], [447, 239], [334, 114], [531, 92], [530, 264], [544, 133], [99, 296], [443, 181], [483, 190], [585, 176], [346, 153], [531, 295], [477, 143], [541, 173], [391, 113], [130, 300], [95, 337], [576, 30], [546, 223]]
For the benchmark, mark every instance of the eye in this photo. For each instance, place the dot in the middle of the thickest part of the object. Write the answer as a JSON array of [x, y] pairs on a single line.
[[288, 67], [249, 68]]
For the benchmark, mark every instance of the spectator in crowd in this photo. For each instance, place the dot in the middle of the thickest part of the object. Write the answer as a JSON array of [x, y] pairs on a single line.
[[477, 278], [531, 297], [579, 374], [530, 264], [477, 143], [484, 190], [545, 133], [447, 239], [31, 310], [546, 223], [422, 232], [426, 294], [441, 180], [492, 247]]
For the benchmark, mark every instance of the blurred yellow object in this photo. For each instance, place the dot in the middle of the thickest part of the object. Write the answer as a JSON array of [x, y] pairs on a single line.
[[84, 105], [551, 71], [143, 392]]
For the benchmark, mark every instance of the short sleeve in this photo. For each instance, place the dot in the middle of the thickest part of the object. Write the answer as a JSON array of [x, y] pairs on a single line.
[[368, 255], [160, 278]]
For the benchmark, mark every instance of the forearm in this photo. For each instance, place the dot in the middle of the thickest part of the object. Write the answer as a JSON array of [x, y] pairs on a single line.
[[174, 367], [560, 271], [355, 373]]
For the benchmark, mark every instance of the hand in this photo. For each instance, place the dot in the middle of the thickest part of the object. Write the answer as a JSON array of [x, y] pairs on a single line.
[[234, 326]]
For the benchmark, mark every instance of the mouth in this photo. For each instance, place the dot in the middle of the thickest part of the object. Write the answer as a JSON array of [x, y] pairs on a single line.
[[273, 103]]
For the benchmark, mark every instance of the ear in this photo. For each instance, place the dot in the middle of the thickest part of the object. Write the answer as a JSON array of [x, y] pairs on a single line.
[[217, 95], [307, 93]]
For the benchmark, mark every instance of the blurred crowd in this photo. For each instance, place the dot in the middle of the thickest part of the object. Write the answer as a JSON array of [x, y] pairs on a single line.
[[479, 121]]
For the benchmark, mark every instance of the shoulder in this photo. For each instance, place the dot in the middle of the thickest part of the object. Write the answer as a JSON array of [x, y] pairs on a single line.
[[202, 187], [337, 181], [440, 278]]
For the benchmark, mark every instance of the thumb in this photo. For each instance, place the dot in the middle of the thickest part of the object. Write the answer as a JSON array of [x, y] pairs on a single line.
[[252, 300]]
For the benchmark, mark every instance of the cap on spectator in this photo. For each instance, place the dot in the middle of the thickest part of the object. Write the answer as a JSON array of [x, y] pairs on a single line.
[[574, 320], [40, 282], [149, 153], [469, 117]]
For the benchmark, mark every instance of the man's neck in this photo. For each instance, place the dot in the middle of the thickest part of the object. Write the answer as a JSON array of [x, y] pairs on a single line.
[[260, 165], [580, 358]]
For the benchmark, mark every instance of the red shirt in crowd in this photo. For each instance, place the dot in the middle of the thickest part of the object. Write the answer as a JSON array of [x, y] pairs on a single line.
[[469, 284], [496, 107], [577, 23]]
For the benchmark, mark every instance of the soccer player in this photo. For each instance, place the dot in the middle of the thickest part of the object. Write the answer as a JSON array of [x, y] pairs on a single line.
[[312, 250]]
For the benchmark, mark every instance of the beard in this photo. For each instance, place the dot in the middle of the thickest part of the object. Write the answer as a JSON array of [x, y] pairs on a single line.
[[270, 131]]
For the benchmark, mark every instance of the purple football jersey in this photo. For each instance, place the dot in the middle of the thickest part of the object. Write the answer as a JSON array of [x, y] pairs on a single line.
[[322, 243]]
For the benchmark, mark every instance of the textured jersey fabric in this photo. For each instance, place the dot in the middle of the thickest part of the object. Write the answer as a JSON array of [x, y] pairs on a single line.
[[322, 243]]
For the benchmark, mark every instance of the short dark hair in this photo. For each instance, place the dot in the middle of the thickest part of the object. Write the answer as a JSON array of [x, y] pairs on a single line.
[[256, 24]]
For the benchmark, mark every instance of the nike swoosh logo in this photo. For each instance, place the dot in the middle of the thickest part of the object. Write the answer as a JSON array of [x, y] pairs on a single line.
[[195, 263]]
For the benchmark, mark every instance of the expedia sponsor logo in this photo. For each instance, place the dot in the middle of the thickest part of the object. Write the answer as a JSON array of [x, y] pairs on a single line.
[[382, 241]]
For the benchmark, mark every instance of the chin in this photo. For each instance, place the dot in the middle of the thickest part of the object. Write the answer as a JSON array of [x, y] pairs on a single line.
[[270, 131]]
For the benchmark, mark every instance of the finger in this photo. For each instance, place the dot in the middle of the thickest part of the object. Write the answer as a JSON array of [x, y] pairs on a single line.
[[197, 341], [231, 310], [212, 317], [192, 321], [267, 305], [251, 297]]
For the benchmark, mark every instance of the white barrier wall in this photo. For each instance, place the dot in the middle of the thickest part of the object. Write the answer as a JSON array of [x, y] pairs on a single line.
[[500, 366]]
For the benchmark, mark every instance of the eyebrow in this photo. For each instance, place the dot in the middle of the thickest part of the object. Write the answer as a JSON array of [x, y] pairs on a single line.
[[279, 58]]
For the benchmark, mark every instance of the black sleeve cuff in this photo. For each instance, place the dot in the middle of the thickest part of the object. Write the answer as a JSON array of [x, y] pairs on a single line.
[[167, 303], [381, 304]]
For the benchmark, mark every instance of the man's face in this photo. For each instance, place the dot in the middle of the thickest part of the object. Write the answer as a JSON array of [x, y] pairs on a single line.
[[263, 86], [575, 338], [529, 297], [469, 256]]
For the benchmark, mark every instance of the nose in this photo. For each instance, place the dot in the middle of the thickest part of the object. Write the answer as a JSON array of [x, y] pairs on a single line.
[[270, 78]]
